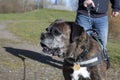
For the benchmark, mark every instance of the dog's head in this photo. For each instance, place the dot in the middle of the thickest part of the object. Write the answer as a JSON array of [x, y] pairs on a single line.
[[60, 36]]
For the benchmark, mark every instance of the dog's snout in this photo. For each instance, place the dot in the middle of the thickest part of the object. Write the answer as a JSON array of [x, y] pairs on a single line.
[[43, 36]]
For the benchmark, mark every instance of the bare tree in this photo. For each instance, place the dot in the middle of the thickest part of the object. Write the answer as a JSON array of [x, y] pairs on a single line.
[[43, 3], [61, 2], [13, 6], [74, 4]]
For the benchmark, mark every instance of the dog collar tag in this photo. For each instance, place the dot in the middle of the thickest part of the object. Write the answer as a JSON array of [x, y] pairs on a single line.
[[76, 67]]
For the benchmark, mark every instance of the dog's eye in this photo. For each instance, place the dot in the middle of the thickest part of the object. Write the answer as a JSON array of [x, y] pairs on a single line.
[[49, 30], [56, 32]]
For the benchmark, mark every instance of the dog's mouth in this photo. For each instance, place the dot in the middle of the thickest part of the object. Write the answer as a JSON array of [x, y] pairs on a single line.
[[47, 50]]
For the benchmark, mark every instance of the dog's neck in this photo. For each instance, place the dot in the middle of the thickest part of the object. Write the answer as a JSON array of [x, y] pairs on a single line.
[[84, 48], [78, 47]]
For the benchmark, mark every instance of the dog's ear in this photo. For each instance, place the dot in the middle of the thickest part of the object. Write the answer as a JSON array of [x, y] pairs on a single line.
[[77, 32]]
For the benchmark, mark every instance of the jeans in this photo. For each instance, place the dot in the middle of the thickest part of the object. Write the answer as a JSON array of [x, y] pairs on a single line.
[[98, 24]]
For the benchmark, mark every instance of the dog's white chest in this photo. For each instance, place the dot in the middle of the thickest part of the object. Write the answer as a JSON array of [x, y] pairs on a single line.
[[81, 72]]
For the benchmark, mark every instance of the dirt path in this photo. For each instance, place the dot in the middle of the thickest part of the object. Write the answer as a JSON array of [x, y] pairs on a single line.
[[20, 60]]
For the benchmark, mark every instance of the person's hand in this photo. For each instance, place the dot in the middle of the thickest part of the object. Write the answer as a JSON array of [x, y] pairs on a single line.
[[114, 13], [88, 2]]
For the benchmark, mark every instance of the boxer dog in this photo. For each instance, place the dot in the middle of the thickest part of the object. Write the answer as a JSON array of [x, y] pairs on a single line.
[[82, 55]]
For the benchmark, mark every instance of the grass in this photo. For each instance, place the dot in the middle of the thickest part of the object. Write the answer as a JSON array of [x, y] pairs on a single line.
[[30, 25], [30, 30], [114, 23], [114, 52], [42, 15]]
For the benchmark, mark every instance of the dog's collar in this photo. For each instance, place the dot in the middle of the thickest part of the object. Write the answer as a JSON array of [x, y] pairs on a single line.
[[97, 59]]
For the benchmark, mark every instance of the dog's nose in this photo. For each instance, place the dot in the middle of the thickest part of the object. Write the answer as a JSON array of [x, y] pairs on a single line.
[[43, 36]]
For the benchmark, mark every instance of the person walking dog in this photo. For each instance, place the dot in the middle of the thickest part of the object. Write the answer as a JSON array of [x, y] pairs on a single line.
[[97, 18]]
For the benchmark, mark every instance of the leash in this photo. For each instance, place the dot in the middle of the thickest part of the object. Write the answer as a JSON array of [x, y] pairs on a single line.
[[95, 36], [94, 33], [89, 16]]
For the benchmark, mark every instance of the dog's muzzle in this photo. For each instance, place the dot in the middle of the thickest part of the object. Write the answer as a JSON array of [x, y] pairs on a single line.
[[46, 48]]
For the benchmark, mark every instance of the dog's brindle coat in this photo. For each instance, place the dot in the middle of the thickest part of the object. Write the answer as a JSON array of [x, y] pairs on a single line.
[[67, 39]]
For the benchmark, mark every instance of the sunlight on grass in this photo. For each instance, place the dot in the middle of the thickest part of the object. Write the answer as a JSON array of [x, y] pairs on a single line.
[[114, 51], [32, 24], [29, 31], [42, 14]]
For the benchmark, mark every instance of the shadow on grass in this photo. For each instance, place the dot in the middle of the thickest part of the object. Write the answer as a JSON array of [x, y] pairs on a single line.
[[20, 53]]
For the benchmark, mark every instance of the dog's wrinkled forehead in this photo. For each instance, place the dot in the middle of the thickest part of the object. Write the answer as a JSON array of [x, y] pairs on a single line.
[[68, 28], [59, 26]]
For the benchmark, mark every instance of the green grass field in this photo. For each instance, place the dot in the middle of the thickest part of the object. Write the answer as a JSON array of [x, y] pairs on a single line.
[[29, 26], [42, 15]]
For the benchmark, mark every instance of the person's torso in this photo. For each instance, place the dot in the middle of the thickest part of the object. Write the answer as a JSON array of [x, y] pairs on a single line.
[[101, 7]]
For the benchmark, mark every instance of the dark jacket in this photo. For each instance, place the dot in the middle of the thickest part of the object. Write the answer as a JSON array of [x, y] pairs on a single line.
[[101, 7]]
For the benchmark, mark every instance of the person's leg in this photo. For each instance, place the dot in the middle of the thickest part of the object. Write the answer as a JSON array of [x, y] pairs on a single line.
[[101, 26], [83, 21]]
